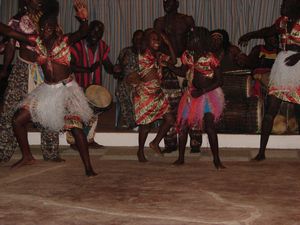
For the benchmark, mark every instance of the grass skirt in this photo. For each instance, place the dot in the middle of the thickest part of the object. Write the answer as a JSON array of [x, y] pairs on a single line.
[[285, 80], [50, 105]]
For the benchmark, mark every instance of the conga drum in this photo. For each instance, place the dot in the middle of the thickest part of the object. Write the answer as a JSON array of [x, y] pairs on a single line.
[[237, 84], [99, 98]]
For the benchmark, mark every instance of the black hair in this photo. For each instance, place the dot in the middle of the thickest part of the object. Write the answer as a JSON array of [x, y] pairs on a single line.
[[137, 32], [47, 18], [198, 38], [50, 7], [96, 23], [226, 43]]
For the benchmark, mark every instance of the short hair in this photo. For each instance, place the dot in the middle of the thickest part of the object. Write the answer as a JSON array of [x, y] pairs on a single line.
[[50, 7], [96, 23]]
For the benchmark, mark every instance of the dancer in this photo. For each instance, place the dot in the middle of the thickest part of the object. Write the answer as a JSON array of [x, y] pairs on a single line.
[[59, 103], [25, 76], [150, 103], [284, 84], [202, 104]]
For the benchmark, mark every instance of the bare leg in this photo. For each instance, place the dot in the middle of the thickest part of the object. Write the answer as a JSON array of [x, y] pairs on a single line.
[[267, 124], [82, 145], [213, 139], [20, 120], [163, 129], [143, 134], [183, 135]]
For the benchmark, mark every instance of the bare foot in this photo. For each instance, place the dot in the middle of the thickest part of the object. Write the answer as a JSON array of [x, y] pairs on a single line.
[[155, 148], [219, 165], [141, 156], [23, 162], [178, 162], [259, 157], [90, 173]]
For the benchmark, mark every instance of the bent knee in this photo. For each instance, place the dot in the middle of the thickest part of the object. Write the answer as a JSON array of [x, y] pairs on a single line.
[[21, 117]]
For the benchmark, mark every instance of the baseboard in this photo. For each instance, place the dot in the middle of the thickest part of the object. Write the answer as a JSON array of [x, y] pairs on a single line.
[[225, 140]]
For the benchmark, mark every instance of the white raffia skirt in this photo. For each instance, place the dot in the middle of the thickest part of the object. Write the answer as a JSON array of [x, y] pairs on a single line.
[[51, 105], [285, 80]]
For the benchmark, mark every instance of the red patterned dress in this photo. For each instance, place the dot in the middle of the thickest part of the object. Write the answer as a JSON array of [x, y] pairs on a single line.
[[191, 110], [285, 80], [150, 103]]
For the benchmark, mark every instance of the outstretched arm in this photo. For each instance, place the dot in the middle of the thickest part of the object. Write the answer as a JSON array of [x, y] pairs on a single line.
[[9, 32], [264, 32]]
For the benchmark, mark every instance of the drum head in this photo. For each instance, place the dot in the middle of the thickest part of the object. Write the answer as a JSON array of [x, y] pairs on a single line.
[[98, 96]]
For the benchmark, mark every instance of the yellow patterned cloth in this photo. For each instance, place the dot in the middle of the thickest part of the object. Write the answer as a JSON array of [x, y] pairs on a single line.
[[150, 102]]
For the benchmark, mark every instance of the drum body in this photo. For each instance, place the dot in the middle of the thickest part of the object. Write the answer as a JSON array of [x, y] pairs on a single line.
[[99, 98], [237, 84], [242, 117]]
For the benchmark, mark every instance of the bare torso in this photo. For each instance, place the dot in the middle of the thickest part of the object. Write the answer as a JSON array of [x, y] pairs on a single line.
[[175, 26]]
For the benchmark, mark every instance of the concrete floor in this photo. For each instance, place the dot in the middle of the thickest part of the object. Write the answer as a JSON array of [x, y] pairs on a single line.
[[126, 192]]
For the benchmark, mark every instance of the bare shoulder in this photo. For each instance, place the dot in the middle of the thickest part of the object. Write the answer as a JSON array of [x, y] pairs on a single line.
[[159, 23], [189, 20]]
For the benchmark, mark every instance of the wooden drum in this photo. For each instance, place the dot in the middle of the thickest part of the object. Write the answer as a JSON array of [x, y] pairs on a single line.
[[237, 84], [242, 117], [99, 98]]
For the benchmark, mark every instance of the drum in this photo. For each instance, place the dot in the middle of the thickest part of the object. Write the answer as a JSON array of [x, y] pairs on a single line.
[[99, 98], [242, 117], [285, 121], [237, 84]]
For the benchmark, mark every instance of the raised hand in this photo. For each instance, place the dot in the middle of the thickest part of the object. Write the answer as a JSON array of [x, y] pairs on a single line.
[[243, 41], [81, 9]]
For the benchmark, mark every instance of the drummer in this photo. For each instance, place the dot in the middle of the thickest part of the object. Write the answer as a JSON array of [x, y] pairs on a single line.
[[227, 53], [88, 56]]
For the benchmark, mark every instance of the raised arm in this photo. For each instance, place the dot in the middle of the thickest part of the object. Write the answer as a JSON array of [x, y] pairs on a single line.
[[82, 16], [173, 59]]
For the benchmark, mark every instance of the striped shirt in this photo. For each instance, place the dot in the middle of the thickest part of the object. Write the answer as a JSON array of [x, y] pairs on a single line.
[[83, 56]]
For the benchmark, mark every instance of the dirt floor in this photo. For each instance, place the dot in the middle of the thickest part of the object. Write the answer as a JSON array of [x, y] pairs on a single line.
[[127, 192]]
